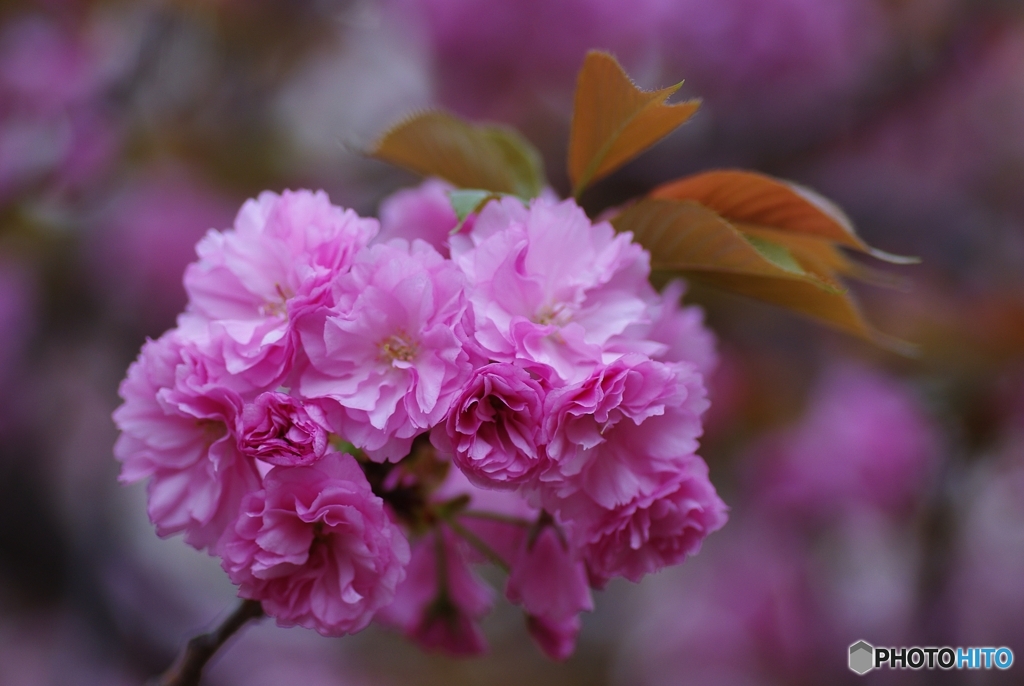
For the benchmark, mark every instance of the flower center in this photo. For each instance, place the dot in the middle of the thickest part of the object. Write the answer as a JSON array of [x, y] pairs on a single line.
[[399, 347], [212, 430], [552, 314], [277, 307]]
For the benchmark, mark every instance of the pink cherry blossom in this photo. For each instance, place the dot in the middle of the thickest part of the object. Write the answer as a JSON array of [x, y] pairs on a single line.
[[682, 331], [390, 352], [316, 547], [424, 212], [494, 427], [612, 436], [551, 585], [441, 600], [549, 287], [566, 391], [277, 263], [177, 429], [282, 430], [653, 530]]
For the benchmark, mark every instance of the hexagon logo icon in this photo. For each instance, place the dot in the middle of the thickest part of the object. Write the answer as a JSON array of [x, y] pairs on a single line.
[[862, 656]]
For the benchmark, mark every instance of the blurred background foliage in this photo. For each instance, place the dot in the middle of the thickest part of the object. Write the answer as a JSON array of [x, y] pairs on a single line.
[[873, 496]]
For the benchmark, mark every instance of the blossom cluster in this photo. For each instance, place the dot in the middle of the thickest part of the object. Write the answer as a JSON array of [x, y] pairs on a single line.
[[351, 412]]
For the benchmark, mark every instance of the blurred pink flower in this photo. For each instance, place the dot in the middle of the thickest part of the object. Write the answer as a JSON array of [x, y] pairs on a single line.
[[390, 351], [742, 613], [767, 603], [985, 594], [796, 67], [937, 169], [144, 239], [53, 126], [551, 585], [441, 600], [44, 68], [506, 59], [792, 67], [864, 442], [316, 547]]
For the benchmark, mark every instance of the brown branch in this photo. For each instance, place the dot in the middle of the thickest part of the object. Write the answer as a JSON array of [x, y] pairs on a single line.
[[188, 667]]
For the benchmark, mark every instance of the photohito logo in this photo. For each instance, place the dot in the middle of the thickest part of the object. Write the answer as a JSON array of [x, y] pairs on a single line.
[[864, 657]]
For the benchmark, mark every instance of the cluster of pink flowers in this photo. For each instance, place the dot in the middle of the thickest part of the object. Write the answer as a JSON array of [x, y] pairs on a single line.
[[517, 393]]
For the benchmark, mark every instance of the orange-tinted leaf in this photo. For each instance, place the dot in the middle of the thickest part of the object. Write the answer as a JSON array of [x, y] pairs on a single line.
[[490, 158], [613, 121], [684, 235], [814, 255], [824, 259], [836, 309], [795, 271], [762, 201]]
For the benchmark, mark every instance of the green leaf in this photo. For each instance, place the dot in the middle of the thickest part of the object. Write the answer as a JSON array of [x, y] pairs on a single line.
[[490, 158], [467, 201], [613, 121], [777, 254]]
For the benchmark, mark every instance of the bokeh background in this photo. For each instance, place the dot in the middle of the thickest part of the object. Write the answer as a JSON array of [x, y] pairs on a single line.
[[873, 496]]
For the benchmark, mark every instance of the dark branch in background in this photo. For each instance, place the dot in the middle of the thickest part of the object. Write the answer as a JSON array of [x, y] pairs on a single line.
[[188, 667]]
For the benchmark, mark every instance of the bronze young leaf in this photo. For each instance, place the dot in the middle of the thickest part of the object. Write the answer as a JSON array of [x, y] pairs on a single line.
[[759, 237], [613, 121], [749, 198]]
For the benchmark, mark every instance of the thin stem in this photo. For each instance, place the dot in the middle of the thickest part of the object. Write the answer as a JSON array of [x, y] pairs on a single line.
[[477, 543], [495, 517], [188, 667], [442, 563]]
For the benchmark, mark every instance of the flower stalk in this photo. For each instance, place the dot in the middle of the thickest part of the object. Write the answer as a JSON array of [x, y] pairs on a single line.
[[188, 666]]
